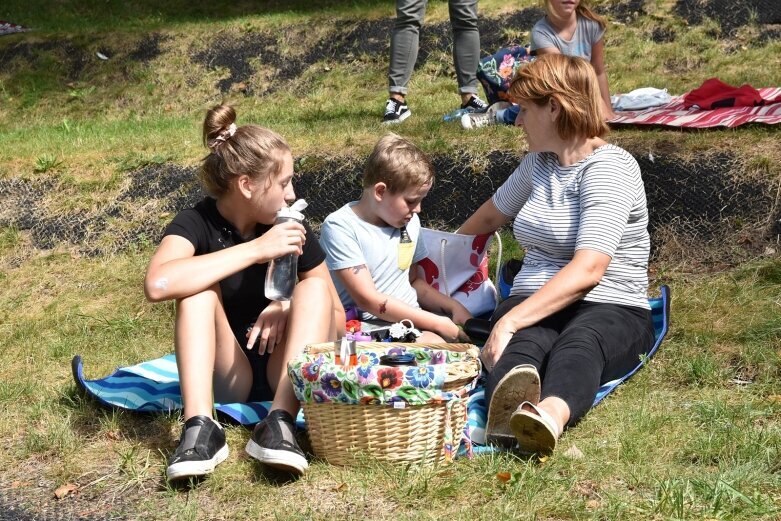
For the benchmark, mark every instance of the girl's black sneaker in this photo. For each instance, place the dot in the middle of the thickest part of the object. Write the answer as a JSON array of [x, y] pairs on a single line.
[[201, 448], [273, 442]]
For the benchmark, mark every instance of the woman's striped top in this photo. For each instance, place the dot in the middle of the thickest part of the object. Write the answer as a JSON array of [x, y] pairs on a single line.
[[596, 204]]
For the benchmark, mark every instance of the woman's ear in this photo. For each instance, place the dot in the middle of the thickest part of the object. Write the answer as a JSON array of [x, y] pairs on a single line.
[[245, 186], [555, 108]]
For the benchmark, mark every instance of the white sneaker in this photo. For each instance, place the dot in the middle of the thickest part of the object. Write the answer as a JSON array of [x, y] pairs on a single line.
[[481, 119]]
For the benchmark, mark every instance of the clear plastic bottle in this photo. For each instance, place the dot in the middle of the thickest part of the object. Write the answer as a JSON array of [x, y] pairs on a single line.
[[282, 271]]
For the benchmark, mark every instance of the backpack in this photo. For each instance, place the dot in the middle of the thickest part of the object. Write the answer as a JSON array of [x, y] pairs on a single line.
[[496, 71]]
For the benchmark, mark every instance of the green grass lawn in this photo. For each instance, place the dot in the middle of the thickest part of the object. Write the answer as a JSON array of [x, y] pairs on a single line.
[[695, 435]]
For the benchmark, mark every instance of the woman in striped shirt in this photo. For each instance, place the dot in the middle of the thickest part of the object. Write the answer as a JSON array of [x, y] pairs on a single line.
[[577, 315]]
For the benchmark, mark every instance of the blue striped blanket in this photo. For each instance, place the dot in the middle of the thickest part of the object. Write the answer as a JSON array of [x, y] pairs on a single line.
[[154, 386]]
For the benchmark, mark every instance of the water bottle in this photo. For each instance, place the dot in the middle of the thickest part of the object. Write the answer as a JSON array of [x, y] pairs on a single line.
[[282, 271]]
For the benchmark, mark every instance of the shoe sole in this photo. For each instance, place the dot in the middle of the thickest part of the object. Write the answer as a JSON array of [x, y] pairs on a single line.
[[522, 384], [279, 459], [399, 119], [192, 469], [533, 435]]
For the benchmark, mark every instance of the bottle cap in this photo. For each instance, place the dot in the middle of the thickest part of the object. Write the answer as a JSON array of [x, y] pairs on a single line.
[[286, 212]]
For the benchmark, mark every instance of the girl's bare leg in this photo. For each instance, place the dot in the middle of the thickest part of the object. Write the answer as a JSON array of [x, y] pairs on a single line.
[[210, 362], [311, 320]]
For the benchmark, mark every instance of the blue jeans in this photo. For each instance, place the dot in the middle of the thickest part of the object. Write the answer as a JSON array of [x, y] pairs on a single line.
[[405, 39], [509, 115]]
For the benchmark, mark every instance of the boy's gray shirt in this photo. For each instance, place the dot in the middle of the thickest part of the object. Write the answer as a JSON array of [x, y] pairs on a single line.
[[587, 33], [349, 241]]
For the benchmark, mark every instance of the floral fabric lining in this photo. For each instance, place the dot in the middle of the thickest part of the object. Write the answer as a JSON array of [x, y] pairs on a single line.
[[317, 378]]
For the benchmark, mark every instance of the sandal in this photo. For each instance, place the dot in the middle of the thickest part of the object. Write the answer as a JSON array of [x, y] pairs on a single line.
[[521, 384], [536, 431]]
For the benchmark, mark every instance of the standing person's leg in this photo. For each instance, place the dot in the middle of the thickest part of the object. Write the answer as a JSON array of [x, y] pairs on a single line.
[[210, 363], [404, 44], [601, 343], [466, 46], [403, 55], [311, 320]]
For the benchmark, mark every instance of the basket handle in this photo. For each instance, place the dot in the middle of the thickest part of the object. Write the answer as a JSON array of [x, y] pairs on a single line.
[[451, 443]]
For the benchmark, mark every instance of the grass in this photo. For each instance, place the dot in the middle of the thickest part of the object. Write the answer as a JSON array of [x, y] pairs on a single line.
[[695, 435]]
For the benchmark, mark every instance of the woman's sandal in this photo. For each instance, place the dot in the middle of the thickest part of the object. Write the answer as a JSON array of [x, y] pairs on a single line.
[[521, 384], [536, 431]]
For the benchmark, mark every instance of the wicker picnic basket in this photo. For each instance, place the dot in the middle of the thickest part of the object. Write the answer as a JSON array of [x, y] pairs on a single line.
[[427, 433]]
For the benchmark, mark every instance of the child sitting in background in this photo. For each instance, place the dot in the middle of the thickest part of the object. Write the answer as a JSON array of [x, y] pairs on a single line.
[[372, 243], [569, 27]]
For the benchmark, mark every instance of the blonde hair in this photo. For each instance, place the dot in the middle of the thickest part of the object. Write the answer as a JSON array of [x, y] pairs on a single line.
[[398, 163], [249, 149], [583, 10], [572, 83]]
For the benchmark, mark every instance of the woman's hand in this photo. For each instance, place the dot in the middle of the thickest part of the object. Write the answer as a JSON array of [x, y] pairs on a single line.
[[496, 344], [270, 325], [282, 239]]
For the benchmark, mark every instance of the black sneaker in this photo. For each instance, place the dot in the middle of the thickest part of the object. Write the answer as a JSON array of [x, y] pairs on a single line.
[[273, 442], [395, 111], [475, 104], [201, 448]]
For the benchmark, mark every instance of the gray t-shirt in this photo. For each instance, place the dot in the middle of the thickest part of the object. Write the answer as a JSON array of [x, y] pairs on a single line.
[[596, 204], [349, 241], [587, 33]]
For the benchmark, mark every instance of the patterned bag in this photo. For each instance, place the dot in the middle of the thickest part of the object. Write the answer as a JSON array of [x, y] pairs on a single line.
[[457, 265], [495, 72]]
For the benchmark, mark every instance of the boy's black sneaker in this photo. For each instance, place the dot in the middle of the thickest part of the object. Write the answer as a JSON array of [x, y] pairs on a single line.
[[273, 442], [201, 448], [395, 111], [475, 104]]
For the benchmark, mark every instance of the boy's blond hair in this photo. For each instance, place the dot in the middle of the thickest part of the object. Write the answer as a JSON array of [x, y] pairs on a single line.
[[398, 163]]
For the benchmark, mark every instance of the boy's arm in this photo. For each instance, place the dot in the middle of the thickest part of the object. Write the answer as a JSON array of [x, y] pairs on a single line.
[[433, 300], [359, 284]]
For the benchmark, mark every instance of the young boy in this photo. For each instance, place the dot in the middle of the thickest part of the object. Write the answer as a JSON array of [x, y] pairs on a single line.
[[372, 243]]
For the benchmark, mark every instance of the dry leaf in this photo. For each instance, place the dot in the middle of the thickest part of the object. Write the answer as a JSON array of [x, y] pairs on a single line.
[[592, 503], [542, 459], [504, 477], [574, 453], [341, 487], [65, 490], [774, 398]]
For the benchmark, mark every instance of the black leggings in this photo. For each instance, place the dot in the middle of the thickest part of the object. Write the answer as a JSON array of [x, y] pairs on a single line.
[[576, 350]]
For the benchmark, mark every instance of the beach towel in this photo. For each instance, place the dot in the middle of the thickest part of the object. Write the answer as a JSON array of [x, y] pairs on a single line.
[[675, 114], [153, 386]]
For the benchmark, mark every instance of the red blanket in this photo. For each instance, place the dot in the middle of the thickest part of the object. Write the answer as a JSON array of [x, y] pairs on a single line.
[[675, 113]]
